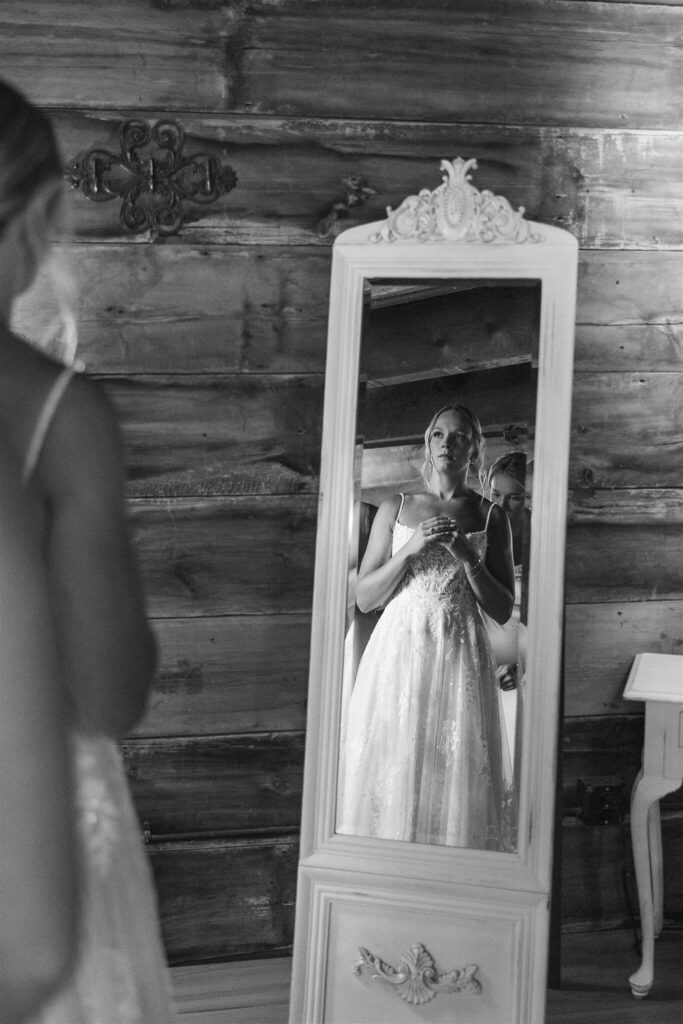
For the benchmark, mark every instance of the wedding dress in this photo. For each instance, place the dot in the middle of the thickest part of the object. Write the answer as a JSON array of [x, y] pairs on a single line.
[[421, 755], [121, 975]]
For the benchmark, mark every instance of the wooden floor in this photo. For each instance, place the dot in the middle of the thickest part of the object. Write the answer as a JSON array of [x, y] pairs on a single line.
[[595, 989]]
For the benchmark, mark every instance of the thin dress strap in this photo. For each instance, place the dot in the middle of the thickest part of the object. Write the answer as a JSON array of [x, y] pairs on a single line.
[[400, 507], [44, 420], [486, 527]]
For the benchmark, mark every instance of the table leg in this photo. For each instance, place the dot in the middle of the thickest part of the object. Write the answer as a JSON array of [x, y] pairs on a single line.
[[646, 840], [654, 836]]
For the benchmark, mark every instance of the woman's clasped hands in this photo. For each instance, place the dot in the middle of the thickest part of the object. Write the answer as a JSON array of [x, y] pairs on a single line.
[[443, 530]]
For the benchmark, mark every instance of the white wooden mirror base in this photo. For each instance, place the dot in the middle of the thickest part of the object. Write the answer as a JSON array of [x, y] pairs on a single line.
[[466, 907]]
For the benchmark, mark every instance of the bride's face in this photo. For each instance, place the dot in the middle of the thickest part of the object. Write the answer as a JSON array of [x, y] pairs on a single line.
[[451, 444]]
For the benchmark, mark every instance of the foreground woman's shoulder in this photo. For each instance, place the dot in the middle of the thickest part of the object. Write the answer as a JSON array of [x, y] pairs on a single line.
[[83, 444]]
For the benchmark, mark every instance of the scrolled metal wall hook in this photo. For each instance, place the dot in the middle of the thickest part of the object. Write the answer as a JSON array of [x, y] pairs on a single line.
[[151, 176]]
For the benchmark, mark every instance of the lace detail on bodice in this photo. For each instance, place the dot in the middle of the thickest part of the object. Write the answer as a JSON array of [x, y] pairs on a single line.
[[437, 581]]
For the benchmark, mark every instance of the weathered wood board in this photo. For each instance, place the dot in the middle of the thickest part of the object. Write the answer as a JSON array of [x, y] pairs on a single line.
[[221, 899], [625, 505], [601, 640], [183, 309], [624, 563], [553, 63], [469, 329], [232, 555], [215, 785], [598, 884], [140, 54], [236, 434], [229, 674], [226, 556], [224, 309], [500, 396], [629, 347], [208, 434], [611, 188], [627, 428], [606, 747]]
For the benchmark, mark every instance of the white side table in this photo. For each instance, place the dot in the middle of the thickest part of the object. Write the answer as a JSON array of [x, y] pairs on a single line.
[[656, 679]]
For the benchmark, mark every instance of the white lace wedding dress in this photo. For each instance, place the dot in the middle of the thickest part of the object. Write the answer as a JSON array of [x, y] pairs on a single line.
[[421, 756], [121, 975]]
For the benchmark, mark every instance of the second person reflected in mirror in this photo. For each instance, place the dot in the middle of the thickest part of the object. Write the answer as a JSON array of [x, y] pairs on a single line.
[[421, 754]]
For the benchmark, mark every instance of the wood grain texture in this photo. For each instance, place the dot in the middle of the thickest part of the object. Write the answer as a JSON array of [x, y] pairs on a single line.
[[623, 563], [613, 188], [601, 641], [632, 505], [181, 309], [551, 63], [229, 674], [472, 329], [222, 556], [221, 899], [627, 429], [138, 54], [263, 309], [499, 396], [237, 433], [247, 991], [598, 874], [213, 785], [630, 288], [206, 434], [610, 748], [625, 347]]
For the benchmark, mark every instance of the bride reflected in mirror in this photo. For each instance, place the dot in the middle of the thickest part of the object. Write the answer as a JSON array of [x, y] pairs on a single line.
[[422, 754]]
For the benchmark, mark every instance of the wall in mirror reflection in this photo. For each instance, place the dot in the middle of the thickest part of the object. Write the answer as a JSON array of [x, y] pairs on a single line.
[[432, 716]]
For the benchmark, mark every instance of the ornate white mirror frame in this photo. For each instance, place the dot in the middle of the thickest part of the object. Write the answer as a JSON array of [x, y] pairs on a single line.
[[434, 912]]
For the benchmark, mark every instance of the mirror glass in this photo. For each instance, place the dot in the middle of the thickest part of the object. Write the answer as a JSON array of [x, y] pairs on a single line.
[[433, 683]]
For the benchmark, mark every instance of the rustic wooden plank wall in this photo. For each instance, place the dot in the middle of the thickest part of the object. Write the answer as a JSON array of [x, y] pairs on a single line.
[[212, 344]]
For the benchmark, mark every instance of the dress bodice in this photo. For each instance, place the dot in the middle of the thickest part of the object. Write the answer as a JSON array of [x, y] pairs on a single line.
[[435, 578]]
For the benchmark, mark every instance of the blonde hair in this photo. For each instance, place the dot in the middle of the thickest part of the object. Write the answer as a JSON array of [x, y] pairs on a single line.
[[513, 464], [477, 460]]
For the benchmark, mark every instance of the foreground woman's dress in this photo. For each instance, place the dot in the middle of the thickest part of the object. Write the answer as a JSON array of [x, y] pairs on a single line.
[[121, 975], [421, 751]]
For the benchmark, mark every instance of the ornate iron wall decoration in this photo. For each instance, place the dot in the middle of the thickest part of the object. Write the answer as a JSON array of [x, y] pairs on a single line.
[[416, 978], [456, 211], [357, 192], [151, 177]]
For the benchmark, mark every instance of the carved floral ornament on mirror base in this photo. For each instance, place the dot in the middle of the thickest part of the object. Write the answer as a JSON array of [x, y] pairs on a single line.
[[456, 211], [416, 979], [151, 176]]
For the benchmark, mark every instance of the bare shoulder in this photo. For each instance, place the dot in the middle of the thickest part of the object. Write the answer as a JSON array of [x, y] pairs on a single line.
[[389, 509], [83, 446], [391, 504], [419, 502]]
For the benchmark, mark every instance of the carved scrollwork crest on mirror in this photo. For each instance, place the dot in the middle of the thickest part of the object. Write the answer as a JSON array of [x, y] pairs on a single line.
[[439, 571], [456, 211]]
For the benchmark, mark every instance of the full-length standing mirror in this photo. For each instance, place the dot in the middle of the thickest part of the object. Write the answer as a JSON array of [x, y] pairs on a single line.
[[428, 798]]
